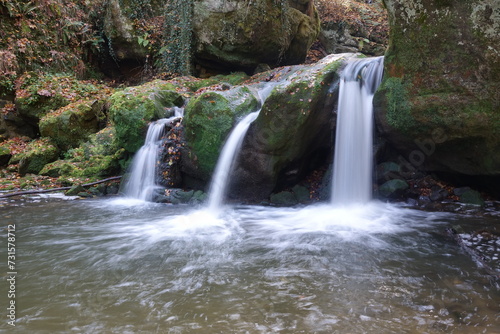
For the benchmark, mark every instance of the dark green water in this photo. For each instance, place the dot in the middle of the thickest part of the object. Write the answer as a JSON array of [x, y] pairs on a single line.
[[100, 266]]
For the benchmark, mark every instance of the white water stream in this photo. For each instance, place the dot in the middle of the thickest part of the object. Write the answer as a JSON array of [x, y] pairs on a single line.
[[229, 153], [353, 167], [141, 182]]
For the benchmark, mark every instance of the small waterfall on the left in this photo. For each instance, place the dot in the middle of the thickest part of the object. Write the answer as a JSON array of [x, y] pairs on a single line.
[[141, 182]]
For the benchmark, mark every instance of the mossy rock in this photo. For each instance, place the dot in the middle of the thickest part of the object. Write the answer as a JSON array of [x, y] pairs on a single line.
[[69, 126], [284, 198], [293, 132], [208, 120], [103, 142], [5, 156], [469, 196], [301, 193], [95, 166], [393, 188], [132, 109], [102, 165], [39, 94], [436, 106], [199, 197], [58, 168], [37, 154], [98, 157], [75, 190], [232, 79], [243, 35]]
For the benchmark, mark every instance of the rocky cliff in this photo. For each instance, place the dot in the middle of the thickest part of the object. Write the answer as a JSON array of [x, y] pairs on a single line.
[[439, 101]]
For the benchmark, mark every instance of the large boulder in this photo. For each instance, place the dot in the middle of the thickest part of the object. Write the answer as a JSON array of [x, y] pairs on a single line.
[[438, 104], [70, 126], [36, 155], [209, 117], [98, 157], [291, 136], [133, 108], [294, 131], [214, 34], [242, 35], [39, 94]]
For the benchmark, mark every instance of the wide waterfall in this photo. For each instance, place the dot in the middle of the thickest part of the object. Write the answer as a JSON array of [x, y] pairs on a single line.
[[220, 178], [353, 167], [141, 182]]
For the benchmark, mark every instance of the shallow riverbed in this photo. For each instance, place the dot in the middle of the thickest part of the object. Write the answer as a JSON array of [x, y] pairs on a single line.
[[116, 266]]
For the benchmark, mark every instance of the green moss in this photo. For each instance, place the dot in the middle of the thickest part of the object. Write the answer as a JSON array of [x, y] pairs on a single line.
[[98, 157], [58, 168], [195, 85], [285, 111], [39, 94], [101, 165], [4, 155], [398, 104], [235, 78], [290, 108], [73, 124], [209, 119], [132, 109], [4, 150], [37, 154], [241, 101]]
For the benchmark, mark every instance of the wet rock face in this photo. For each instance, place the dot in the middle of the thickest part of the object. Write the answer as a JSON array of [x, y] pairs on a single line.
[[438, 104], [225, 35], [244, 34]]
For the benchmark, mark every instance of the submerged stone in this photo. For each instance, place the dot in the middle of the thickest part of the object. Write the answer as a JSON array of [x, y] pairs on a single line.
[[470, 196], [393, 188], [284, 198], [75, 190]]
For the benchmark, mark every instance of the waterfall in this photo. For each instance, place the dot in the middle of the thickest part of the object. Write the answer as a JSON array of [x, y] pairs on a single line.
[[141, 182], [353, 167], [226, 159], [220, 178]]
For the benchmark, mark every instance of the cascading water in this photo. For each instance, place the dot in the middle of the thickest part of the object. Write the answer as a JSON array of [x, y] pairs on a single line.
[[141, 182], [226, 159], [229, 152], [352, 167]]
